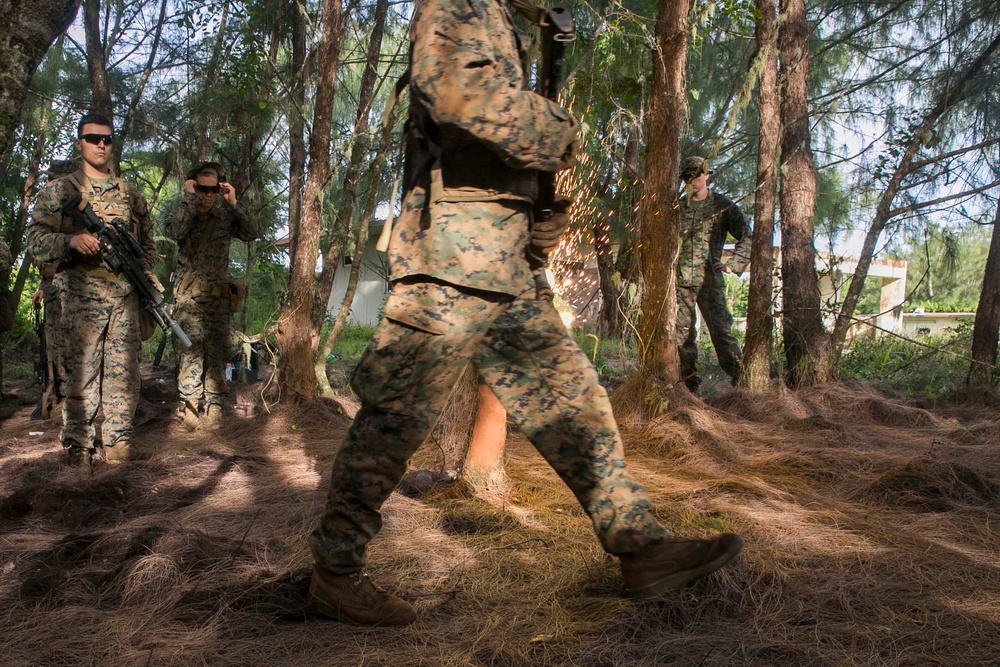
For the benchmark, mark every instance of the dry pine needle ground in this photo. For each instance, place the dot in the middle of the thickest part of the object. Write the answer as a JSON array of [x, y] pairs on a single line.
[[870, 526]]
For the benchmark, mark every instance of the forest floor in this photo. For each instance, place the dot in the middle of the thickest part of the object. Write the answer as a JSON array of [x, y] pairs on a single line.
[[871, 523]]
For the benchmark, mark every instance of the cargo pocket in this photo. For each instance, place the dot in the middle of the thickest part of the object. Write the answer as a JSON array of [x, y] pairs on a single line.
[[415, 315]]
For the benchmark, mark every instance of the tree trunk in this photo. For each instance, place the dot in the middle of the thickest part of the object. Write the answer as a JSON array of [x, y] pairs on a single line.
[[100, 91], [806, 342], [296, 129], [609, 319], [345, 210], [987, 327], [297, 339], [356, 265], [484, 462], [659, 363], [757, 350], [203, 115], [28, 30], [919, 136]]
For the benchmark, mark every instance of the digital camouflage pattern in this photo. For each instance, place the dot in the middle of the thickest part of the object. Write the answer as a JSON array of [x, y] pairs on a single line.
[[466, 88], [99, 327], [705, 225], [463, 293], [53, 334], [201, 291], [710, 299], [430, 334]]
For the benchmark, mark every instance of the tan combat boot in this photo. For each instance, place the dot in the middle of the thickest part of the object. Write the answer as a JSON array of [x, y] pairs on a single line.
[[356, 599], [78, 457], [186, 415], [213, 416], [667, 566], [121, 451]]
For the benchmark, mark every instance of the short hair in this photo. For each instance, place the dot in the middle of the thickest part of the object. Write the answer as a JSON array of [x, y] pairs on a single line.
[[95, 118]]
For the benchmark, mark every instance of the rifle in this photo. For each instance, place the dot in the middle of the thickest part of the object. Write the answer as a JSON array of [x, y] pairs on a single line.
[[557, 28], [45, 375], [121, 255], [158, 357]]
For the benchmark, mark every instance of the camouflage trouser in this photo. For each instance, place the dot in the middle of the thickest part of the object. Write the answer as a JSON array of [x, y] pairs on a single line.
[[430, 333], [710, 298], [99, 338], [206, 320], [53, 317]]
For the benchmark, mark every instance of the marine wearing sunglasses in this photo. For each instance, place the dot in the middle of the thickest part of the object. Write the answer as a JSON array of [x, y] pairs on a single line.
[[206, 182]]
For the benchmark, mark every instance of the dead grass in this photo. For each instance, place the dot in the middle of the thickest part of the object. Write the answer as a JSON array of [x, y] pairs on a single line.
[[869, 523]]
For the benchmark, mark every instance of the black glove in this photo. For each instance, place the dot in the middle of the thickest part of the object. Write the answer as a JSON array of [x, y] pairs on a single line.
[[720, 267], [545, 234]]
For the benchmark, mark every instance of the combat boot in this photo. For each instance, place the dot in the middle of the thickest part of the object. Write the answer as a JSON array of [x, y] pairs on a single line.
[[78, 457], [186, 415], [667, 566], [213, 416], [118, 453], [356, 599]]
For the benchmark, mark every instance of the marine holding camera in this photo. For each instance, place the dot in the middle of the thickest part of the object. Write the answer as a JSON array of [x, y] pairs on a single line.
[[203, 222]]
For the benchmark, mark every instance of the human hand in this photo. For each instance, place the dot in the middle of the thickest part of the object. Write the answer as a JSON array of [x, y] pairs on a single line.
[[546, 234], [36, 299], [720, 267], [85, 244], [228, 193], [569, 157], [156, 281], [189, 185]]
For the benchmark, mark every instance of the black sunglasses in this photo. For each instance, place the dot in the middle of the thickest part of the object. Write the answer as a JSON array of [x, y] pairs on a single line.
[[208, 188], [96, 139]]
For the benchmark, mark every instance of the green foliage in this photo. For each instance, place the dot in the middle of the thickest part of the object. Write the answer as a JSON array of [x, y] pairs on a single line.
[[351, 343], [612, 358], [934, 366], [945, 267]]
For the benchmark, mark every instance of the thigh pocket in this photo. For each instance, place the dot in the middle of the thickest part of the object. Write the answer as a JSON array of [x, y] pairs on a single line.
[[417, 315]]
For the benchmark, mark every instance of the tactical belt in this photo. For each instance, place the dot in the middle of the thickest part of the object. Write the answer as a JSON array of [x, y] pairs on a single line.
[[99, 271], [477, 180], [196, 287]]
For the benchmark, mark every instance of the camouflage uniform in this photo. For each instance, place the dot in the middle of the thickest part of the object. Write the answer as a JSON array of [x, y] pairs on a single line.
[[99, 324], [202, 293], [463, 292], [704, 226]]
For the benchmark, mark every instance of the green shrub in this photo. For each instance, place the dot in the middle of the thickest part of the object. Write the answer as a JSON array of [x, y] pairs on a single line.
[[934, 366], [351, 343]]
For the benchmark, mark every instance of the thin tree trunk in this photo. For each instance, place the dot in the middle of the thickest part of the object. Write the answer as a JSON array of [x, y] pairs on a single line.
[[27, 32], [360, 144], [340, 320], [204, 116], [919, 136], [757, 350], [96, 66], [296, 128], [659, 363], [806, 342], [609, 320], [297, 339], [987, 326]]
